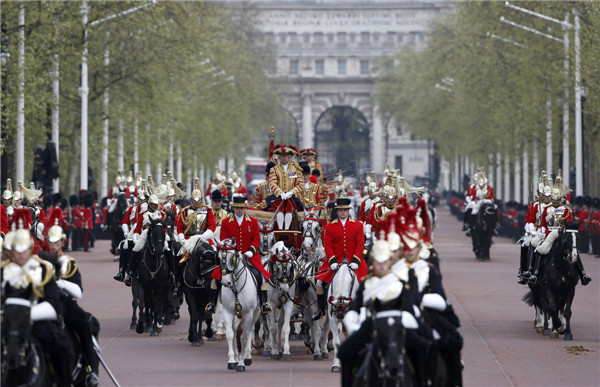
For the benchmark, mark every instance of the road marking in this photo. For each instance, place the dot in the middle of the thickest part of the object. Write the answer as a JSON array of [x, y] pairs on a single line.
[[484, 342]]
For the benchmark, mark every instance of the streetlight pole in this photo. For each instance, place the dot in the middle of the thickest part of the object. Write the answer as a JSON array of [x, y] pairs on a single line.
[[566, 153], [578, 123], [83, 182], [55, 117], [104, 189], [20, 151]]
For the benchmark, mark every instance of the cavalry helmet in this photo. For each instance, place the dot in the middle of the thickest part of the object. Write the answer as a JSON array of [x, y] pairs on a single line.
[[55, 234]]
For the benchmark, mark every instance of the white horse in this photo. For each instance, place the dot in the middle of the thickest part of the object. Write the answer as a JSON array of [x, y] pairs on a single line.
[[281, 292], [239, 297], [342, 291]]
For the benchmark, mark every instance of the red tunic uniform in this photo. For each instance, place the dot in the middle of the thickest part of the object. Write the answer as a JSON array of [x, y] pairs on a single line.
[[247, 238], [565, 212], [343, 241], [3, 220], [207, 223]]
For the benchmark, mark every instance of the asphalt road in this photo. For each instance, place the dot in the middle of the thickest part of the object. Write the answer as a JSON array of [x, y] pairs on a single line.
[[501, 348]]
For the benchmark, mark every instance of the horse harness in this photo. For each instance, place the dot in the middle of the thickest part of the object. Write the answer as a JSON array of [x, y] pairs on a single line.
[[150, 246], [343, 302], [280, 277]]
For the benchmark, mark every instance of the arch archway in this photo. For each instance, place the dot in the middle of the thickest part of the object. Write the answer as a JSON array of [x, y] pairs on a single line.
[[342, 139]]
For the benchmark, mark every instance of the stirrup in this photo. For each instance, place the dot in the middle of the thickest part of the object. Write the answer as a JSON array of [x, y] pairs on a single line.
[[521, 280], [119, 277], [585, 279], [210, 308], [265, 308], [526, 274], [468, 232], [532, 279], [128, 280], [318, 314]]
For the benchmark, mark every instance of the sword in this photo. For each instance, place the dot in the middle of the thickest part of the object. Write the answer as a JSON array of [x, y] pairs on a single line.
[[98, 350]]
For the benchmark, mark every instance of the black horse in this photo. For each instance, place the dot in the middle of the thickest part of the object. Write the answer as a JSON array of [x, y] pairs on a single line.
[[196, 283], [23, 361], [482, 227], [556, 289], [114, 219], [152, 274]]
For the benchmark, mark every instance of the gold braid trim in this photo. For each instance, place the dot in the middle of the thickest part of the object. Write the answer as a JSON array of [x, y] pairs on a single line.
[[73, 266], [189, 220], [38, 288]]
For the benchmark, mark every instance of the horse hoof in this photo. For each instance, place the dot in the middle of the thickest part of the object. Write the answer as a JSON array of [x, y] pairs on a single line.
[[317, 357], [231, 366], [220, 337], [153, 333], [248, 362], [562, 329], [546, 332], [554, 335], [301, 336], [539, 329], [132, 326], [336, 369], [167, 322], [325, 355], [266, 354], [241, 368], [212, 338], [139, 329], [159, 329], [293, 336], [148, 329], [568, 336], [276, 357], [197, 343], [287, 356]]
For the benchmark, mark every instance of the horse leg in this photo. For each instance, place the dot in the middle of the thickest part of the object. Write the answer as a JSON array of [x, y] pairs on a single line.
[[287, 314], [246, 341], [273, 333], [141, 307], [134, 305], [333, 326], [230, 335], [219, 321], [553, 312], [324, 337], [546, 331], [567, 314], [539, 320], [209, 333], [193, 335]]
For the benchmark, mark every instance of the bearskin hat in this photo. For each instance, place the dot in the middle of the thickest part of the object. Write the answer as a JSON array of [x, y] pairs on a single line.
[[73, 200], [87, 199]]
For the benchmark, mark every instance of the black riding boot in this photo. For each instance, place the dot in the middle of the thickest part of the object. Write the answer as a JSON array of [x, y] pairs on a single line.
[[585, 277], [265, 308], [213, 296], [466, 218], [123, 258], [530, 262], [322, 305], [133, 260], [523, 265], [536, 268]]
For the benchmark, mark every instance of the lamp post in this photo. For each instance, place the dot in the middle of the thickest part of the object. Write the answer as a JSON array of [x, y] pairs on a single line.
[[578, 124], [20, 151]]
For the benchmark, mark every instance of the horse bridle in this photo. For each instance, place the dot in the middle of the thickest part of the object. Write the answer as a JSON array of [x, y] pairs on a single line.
[[343, 302], [153, 250], [198, 278]]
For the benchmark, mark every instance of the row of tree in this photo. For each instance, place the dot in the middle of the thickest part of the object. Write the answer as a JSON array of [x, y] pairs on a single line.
[[481, 86], [187, 71]]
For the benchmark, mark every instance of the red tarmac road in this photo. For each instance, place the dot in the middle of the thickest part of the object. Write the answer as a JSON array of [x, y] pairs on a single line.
[[501, 348]]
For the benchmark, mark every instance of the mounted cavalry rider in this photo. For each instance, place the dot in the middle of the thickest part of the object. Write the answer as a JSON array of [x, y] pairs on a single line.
[[195, 219], [245, 230], [285, 181], [140, 234], [533, 222], [7, 199], [344, 241], [554, 218], [217, 184], [481, 193], [368, 203], [21, 269], [68, 279]]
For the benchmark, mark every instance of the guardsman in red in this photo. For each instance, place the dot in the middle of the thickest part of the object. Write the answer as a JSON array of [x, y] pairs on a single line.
[[245, 230], [3, 221], [368, 203], [77, 217], [217, 184], [195, 219], [344, 243], [238, 187], [556, 216], [593, 226], [285, 180], [263, 190]]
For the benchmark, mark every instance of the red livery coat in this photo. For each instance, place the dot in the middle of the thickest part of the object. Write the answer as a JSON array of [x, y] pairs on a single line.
[[247, 238], [343, 241]]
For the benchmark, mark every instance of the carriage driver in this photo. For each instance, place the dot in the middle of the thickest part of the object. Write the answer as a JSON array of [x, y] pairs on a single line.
[[344, 242], [555, 216], [68, 279], [244, 229]]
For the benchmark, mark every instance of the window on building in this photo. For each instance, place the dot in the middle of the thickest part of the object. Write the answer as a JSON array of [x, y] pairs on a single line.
[[293, 37], [364, 37], [293, 66], [306, 37], [364, 67], [342, 37], [282, 38], [318, 37], [330, 37], [398, 163], [319, 67], [341, 66]]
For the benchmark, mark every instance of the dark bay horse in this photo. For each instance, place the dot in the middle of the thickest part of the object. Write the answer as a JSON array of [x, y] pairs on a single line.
[[482, 229], [152, 274], [196, 283]]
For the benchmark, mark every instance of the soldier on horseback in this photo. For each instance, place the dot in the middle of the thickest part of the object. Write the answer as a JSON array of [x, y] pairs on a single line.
[[481, 193], [247, 238], [68, 279], [368, 203], [555, 217], [344, 242]]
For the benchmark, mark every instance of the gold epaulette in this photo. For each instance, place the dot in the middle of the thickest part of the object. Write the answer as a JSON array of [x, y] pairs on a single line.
[[73, 266], [38, 289]]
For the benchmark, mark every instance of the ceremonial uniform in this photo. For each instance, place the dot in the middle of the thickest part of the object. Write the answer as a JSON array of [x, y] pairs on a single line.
[[247, 238], [193, 221], [214, 186], [343, 240], [261, 193], [365, 208], [3, 220], [313, 195], [283, 179]]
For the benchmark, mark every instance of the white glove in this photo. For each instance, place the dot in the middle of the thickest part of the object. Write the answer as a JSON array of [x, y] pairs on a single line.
[[69, 287], [290, 194], [43, 311], [207, 235], [125, 228], [354, 266], [334, 266], [181, 237], [249, 254], [39, 231], [351, 321], [136, 237], [285, 196]]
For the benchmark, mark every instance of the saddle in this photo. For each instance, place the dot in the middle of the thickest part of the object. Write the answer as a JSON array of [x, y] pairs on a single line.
[[257, 276]]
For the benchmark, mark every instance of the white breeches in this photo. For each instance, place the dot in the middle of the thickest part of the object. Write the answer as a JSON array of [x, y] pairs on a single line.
[[477, 204]]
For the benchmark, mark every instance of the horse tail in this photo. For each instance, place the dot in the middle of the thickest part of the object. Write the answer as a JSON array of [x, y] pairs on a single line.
[[529, 298]]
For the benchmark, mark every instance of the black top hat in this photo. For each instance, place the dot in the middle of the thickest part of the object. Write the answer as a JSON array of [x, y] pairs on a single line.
[[316, 172], [305, 169], [216, 195], [342, 203], [239, 201]]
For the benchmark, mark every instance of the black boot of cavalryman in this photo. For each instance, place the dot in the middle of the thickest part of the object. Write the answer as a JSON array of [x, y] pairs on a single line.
[[265, 308], [530, 262], [585, 277], [523, 265], [213, 297], [533, 279], [123, 258], [466, 218], [321, 305], [133, 260]]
